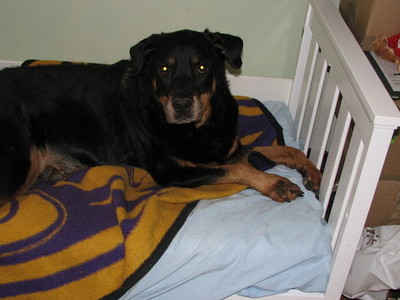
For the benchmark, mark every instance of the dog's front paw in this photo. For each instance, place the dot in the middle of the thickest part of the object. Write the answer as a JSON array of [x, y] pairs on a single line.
[[284, 190], [311, 178]]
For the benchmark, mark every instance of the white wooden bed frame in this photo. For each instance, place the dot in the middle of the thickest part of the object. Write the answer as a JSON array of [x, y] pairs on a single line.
[[331, 66]]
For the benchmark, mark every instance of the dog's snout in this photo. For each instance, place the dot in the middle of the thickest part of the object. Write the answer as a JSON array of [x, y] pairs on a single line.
[[182, 104]]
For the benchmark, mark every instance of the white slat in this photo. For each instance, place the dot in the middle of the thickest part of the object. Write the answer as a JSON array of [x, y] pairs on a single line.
[[304, 91], [305, 63], [349, 172], [324, 119], [335, 155], [313, 101]]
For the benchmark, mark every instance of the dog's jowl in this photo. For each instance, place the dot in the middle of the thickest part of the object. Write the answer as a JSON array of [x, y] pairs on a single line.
[[168, 110]]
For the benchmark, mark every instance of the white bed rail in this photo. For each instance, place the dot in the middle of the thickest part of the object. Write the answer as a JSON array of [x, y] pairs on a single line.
[[345, 121]]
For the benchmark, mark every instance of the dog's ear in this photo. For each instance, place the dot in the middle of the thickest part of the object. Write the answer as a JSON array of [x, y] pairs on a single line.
[[139, 53], [229, 45]]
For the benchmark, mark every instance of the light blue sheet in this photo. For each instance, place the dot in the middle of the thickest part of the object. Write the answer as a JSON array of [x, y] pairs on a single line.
[[245, 244]]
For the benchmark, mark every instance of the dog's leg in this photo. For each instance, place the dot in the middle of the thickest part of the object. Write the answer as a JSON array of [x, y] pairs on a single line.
[[295, 159], [191, 175], [275, 187], [58, 166], [23, 171]]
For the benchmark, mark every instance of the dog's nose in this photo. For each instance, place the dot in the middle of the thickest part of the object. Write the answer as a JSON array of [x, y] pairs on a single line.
[[182, 104]]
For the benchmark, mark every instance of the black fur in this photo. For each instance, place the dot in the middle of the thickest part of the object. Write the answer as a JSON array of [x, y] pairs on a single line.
[[92, 115]]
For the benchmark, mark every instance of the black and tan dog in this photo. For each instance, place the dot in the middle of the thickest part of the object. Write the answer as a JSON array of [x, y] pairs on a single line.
[[167, 110]]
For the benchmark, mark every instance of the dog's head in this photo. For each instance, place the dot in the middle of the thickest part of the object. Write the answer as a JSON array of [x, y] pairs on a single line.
[[185, 68]]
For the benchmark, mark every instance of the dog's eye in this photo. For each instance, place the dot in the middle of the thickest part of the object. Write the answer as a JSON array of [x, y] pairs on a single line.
[[164, 69], [202, 68]]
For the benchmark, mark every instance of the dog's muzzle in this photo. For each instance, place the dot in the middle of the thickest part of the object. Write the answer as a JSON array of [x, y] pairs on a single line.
[[182, 105], [182, 109]]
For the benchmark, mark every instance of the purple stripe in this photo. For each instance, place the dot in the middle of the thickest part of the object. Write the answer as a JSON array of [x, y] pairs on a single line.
[[78, 176], [11, 213], [253, 123], [247, 103], [259, 123], [84, 219], [129, 224], [8, 248], [64, 277]]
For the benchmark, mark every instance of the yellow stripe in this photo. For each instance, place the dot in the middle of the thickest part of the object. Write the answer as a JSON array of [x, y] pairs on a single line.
[[67, 258], [52, 62], [22, 226], [86, 288], [44, 62], [249, 111], [248, 139], [186, 195], [242, 97], [97, 176]]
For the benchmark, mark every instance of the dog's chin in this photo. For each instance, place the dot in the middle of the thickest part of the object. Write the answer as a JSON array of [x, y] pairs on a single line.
[[181, 121]]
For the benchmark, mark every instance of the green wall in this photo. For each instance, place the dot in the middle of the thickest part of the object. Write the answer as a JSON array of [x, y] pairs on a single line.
[[104, 30]]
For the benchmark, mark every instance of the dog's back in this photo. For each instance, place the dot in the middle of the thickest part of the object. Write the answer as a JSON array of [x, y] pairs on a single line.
[[50, 107]]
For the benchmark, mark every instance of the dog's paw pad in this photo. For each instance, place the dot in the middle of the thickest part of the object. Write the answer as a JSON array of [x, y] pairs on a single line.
[[285, 191]]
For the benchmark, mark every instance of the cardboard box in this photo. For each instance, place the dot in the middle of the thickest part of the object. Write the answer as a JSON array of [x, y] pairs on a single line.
[[369, 18], [391, 167], [385, 208], [385, 204]]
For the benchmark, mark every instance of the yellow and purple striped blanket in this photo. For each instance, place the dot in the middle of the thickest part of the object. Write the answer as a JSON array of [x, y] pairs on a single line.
[[97, 233]]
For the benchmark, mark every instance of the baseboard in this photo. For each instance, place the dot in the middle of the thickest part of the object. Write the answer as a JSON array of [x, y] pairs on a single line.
[[9, 63]]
